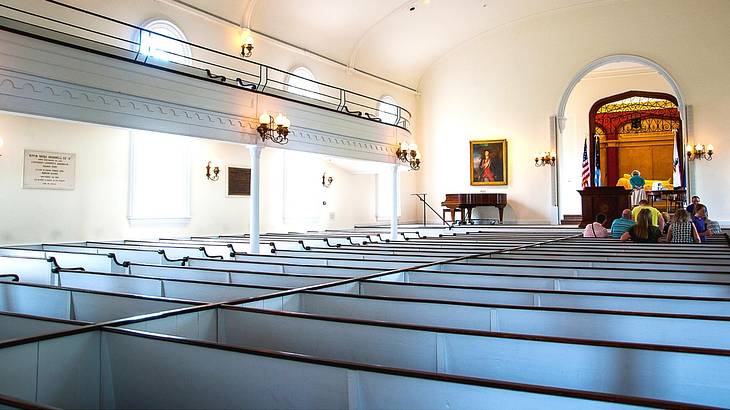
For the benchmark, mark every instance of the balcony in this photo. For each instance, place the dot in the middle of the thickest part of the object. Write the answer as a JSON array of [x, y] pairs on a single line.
[[92, 68]]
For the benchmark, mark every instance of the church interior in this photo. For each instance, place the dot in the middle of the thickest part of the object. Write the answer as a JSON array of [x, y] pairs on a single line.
[[372, 204]]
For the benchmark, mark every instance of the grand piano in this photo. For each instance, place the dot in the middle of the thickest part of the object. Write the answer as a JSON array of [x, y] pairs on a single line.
[[466, 202]]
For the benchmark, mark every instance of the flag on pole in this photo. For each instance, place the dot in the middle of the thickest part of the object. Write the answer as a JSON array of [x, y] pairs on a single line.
[[597, 160], [677, 174], [586, 166]]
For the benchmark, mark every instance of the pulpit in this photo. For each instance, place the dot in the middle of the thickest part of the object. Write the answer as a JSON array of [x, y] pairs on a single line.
[[607, 200]]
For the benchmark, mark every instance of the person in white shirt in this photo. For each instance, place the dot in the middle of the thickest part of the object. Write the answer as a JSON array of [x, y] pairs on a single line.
[[596, 229]]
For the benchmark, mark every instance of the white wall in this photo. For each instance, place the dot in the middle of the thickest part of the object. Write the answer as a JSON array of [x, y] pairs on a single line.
[[592, 88], [508, 82], [97, 208]]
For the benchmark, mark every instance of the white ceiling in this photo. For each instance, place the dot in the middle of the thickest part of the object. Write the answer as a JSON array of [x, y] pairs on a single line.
[[382, 37]]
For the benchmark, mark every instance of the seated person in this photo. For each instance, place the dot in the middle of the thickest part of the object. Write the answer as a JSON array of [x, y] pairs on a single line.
[[700, 222], [667, 222], [596, 229], [621, 225], [644, 231], [691, 207], [656, 217], [713, 226], [682, 230]]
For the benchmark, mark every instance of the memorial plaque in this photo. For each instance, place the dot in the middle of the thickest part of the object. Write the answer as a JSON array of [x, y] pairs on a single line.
[[239, 181], [49, 170]]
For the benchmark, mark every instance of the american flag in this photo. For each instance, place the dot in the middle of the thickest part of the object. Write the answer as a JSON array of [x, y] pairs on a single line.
[[586, 165]]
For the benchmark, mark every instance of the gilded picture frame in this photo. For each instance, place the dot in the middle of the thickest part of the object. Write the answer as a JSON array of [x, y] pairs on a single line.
[[488, 162]]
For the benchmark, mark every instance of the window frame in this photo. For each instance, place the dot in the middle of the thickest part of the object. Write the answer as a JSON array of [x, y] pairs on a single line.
[[135, 216], [388, 101], [296, 74], [173, 31]]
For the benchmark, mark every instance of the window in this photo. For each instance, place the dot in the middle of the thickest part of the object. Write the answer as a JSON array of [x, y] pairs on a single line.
[[384, 196], [303, 195], [388, 110], [165, 48], [302, 83], [159, 177]]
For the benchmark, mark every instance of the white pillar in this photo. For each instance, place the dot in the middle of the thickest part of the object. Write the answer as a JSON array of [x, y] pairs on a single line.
[[255, 151], [394, 206]]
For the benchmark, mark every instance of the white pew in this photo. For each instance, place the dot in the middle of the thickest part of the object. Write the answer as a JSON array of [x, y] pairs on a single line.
[[17, 326], [528, 297], [32, 270], [697, 376], [566, 283], [282, 268], [72, 304], [699, 331], [223, 276], [122, 255], [167, 288], [143, 371], [547, 270]]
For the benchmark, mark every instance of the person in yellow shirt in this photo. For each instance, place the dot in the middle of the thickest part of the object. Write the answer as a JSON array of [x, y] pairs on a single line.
[[656, 217]]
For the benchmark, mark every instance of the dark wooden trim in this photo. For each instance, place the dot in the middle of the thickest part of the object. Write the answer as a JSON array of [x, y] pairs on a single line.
[[23, 404]]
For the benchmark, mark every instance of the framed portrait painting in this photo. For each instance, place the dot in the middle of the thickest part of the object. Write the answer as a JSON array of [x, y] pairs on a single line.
[[488, 162]]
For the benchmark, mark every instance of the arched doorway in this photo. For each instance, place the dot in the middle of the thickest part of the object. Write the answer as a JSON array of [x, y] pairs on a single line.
[[637, 130], [571, 129]]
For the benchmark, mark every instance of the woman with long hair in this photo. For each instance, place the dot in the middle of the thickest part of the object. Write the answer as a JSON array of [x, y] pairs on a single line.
[[643, 231], [682, 230]]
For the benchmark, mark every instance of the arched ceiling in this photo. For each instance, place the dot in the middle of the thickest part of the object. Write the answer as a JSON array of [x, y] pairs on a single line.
[[382, 37]]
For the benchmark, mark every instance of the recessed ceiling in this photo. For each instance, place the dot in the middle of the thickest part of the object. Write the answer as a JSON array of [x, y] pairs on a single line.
[[382, 37]]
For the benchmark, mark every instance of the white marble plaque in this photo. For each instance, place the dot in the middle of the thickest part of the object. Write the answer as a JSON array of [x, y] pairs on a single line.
[[49, 170]]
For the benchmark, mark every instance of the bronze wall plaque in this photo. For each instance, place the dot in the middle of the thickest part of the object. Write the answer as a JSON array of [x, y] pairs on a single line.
[[239, 181]]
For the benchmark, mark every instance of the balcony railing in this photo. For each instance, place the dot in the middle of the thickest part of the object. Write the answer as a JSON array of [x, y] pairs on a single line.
[[122, 40]]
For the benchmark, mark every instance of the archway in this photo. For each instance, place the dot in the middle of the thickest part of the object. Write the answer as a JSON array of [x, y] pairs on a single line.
[[568, 139], [636, 130]]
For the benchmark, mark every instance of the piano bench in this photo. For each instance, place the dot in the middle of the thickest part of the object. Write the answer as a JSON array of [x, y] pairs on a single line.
[[447, 211]]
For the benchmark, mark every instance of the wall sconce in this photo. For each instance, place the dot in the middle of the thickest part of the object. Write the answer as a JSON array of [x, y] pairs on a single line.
[[275, 129], [408, 153], [545, 158], [215, 175], [326, 181], [700, 152], [246, 43]]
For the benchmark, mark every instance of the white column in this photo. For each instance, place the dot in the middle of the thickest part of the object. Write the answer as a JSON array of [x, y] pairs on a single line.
[[255, 151], [394, 206]]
